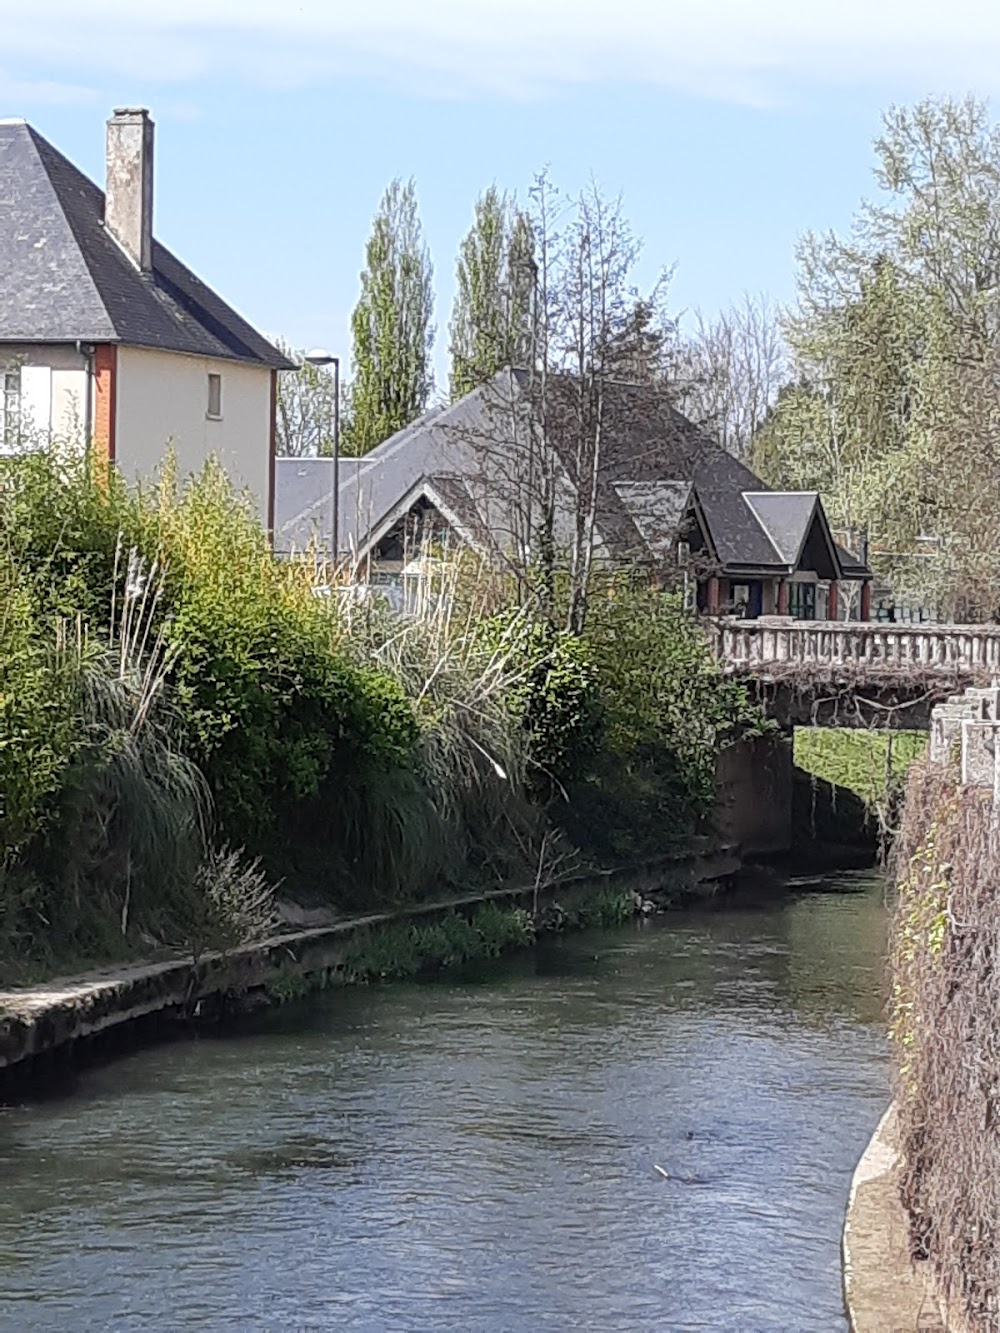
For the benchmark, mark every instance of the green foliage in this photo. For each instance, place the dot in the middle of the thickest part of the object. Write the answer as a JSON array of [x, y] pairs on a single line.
[[668, 711], [609, 907], [404, 949], [391, 324], [892, 411], [39, 734], [491, 316], [265, 700], [552, 689], [873, 764]]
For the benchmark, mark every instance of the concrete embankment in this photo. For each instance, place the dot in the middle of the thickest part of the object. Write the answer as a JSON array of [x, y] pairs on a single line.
[[885, 1291], [50, 1018]]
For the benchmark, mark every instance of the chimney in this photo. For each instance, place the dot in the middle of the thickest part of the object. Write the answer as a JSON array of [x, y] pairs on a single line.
[[128, 195]]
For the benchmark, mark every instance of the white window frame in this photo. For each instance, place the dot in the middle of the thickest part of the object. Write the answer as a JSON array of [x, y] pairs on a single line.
[[214, 409], [10, 409]]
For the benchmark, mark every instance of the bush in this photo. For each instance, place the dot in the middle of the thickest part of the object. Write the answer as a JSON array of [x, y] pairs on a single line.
[[266, 701], [552, 690], [667, 712], [39, 733]]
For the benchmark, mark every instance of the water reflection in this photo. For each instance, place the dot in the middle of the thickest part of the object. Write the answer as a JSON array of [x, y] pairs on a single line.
[[480, 1154]]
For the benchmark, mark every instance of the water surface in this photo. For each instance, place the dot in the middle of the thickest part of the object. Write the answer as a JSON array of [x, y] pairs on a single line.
[[478, 1154]]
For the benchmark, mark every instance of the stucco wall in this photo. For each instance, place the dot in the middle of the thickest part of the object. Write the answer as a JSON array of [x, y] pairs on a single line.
[[162, 400], [53, 387]]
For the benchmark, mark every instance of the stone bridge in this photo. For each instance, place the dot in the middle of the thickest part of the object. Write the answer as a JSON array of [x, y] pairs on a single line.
[[855, 674]]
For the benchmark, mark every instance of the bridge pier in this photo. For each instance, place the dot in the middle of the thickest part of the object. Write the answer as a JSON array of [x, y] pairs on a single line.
[[753, 783]]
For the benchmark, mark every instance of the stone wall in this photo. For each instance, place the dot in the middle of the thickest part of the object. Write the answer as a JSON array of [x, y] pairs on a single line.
[[966, 729], [754, 794]]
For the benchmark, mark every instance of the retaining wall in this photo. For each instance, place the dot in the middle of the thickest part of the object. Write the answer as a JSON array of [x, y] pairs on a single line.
[[64, 1011]]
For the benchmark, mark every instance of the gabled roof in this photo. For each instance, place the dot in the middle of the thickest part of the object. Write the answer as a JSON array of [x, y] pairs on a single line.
[[736, 531], [657, 508], [658, 473], [786, 517], [64, 278]]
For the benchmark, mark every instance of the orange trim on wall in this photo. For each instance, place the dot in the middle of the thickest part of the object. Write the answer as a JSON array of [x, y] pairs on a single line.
[[104, 443], [273, 448]]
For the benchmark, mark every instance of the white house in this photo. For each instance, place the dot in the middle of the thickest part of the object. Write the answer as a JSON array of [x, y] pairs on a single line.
[[105, 336]]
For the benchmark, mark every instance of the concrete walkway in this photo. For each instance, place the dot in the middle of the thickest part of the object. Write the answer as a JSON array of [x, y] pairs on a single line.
[[885, 1291]]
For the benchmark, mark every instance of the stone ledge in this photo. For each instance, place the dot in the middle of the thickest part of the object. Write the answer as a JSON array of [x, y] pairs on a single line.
[[40, 1019], [885, 1292]]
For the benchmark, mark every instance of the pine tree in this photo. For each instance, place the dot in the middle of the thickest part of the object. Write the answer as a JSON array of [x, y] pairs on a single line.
[[490, 323], [391, 325]]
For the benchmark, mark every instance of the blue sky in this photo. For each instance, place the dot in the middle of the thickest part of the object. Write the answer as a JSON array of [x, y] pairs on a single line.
[[729, 126]]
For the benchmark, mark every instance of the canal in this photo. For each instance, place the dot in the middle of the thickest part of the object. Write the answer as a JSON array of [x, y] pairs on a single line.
[[480, 1153]]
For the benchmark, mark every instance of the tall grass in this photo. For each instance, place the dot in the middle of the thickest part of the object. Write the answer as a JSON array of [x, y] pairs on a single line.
[[473, 754]]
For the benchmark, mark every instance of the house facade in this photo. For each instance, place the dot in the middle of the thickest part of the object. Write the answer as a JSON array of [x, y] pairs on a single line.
[[664, 499], [106, 338]]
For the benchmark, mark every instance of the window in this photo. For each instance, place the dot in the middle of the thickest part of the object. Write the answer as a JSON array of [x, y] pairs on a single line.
[[214, 397], [802, 601], [10, 408]]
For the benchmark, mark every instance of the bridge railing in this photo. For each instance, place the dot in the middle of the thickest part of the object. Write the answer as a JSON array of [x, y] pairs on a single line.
[[777, 643]]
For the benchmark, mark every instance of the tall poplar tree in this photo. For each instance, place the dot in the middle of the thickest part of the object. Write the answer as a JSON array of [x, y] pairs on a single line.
[[391, 326], [491, 316]]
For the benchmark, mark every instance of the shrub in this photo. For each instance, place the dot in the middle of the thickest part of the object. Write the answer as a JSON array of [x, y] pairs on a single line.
[[667, 712], [552, 689], [39, 733], [266, 702]]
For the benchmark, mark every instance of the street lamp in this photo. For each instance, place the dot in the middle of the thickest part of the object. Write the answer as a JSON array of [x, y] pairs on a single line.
[[320, 358]]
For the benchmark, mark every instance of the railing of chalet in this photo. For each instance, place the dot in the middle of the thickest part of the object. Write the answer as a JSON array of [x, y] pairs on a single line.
[[775, 643]]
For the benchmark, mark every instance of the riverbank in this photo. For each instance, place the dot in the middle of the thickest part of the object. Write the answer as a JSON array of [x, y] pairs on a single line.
[[884, 1289], [44, 1023]]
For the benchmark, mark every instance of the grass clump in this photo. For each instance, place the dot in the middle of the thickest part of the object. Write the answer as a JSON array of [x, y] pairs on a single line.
[[409, 949]]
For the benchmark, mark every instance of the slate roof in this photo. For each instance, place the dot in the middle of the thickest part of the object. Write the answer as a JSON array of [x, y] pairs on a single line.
[[786, 517], [64, 278], [657, 470]]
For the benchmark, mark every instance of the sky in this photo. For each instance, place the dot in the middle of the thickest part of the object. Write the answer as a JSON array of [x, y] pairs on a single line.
[[729, 127]]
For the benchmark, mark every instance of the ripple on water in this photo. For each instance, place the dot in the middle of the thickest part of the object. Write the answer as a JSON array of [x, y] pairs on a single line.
[[479, 1155]]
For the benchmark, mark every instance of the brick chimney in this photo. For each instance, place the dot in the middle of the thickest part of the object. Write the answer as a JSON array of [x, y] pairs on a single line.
[[128, 195]]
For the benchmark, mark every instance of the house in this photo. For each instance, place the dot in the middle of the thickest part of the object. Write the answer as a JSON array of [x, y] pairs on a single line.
[[667, 499], [106, 337]]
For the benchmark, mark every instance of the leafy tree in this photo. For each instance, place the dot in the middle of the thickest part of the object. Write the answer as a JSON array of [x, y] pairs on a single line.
[[305, 409], [894, 412], [391, 325], [491, 316]]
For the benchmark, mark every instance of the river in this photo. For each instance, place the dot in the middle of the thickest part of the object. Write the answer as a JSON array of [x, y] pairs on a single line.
[[478, 1154]]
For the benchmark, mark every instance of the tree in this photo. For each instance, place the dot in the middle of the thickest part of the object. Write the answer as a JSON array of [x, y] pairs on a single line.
[[491, 315], [305, 408], [542, 453], [392, 330], [894, 347], [730, 370]]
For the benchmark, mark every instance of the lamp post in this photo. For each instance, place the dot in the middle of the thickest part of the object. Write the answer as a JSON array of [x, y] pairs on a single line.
[[320, 358]]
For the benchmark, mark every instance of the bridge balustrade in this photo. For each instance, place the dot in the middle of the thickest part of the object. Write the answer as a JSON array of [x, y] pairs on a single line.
[[776, 645]]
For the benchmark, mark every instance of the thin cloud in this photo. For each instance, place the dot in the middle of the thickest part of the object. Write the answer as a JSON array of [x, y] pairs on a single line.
[[726, 49], [17, 93]]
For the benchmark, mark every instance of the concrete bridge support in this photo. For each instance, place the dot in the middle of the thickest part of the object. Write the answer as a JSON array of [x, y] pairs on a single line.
[[754, 794]]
